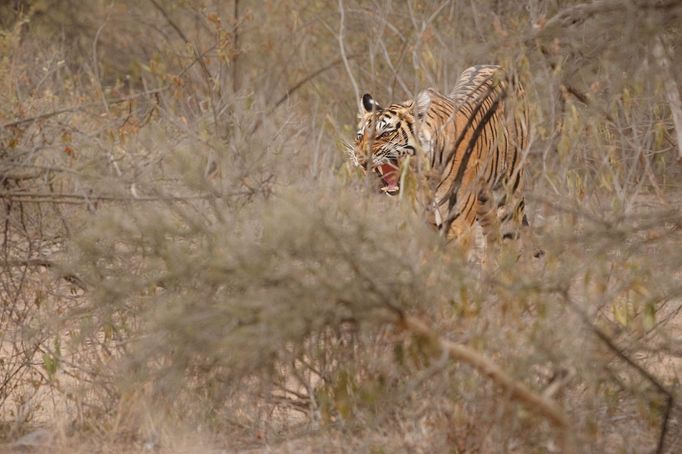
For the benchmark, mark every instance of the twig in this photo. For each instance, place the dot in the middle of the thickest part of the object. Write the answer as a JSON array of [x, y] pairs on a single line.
[[95, 63], [577, 14], [198, 58], [45, 263], [344, 57], [585, 99], [28, 263], [182, 36], [119, 100], [19, 176], [290, 91], [43, 116], [235, 34]]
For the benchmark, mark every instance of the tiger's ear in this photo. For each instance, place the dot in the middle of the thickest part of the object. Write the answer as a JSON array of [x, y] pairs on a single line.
[[369, 103], [422, 103]]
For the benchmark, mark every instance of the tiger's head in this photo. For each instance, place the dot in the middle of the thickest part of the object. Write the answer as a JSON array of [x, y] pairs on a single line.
[[385, 136]]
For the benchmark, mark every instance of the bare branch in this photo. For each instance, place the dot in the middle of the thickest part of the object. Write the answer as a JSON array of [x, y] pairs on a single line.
[[577, 14], [291, 90], [517, 390], [235, 60], [344, 57], [81, 107], [44, 263]]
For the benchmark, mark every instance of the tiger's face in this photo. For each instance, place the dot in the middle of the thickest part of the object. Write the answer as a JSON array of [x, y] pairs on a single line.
[[384, 138]]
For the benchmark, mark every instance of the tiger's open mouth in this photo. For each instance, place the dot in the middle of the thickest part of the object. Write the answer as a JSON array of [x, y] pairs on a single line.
[[390, 175]]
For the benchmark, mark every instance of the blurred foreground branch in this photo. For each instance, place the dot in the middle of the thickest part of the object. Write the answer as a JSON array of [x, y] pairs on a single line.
[[669, 399], [547, 408]]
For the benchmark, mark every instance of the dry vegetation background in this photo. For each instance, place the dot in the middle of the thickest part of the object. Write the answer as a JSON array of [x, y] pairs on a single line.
[[189, 264]]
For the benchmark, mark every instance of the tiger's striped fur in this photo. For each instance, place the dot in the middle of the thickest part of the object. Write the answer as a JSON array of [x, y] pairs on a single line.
[[470, 143]]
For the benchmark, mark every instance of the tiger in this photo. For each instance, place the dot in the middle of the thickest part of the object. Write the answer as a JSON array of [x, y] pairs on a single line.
[[470, 144]]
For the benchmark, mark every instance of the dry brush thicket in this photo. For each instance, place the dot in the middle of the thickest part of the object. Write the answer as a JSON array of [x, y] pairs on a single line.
[[189, 263]]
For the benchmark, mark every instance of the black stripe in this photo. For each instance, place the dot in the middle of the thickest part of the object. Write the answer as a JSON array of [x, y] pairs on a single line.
[[513, 163], [518, 180]]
